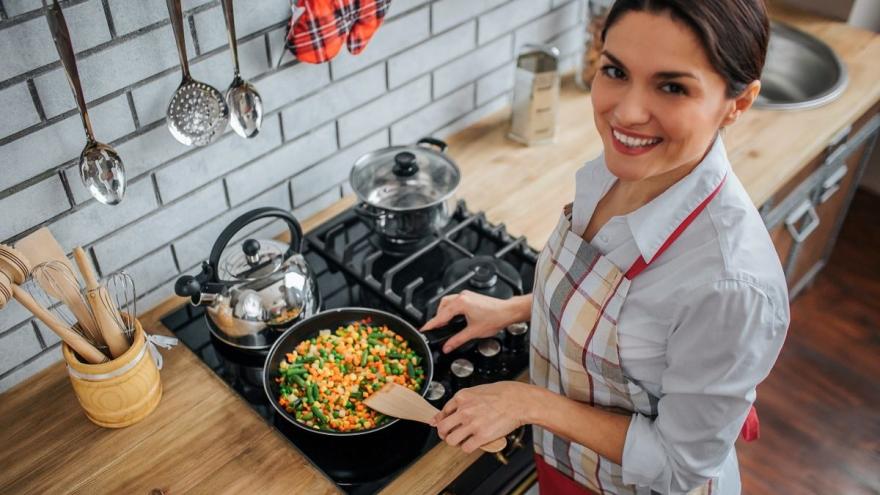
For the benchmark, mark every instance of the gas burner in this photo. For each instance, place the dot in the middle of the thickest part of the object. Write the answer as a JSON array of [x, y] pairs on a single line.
[[240, 357], [485, 275]]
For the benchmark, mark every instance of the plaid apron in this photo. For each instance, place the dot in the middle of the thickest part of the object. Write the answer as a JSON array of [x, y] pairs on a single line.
[[578, 295]]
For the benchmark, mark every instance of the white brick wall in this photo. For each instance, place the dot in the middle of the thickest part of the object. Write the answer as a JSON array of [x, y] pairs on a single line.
[[433, 68]]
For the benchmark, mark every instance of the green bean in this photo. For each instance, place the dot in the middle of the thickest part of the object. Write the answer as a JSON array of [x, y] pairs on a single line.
[[373, 341], [364, 357], [411, 369], [318, 413], [299, 381]]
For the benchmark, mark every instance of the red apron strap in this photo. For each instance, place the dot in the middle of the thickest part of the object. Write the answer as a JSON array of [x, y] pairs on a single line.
[[751, 429], [551, 481], [641, 264]]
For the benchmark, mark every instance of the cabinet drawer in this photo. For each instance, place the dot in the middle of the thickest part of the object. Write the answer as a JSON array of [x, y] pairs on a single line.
[[806, 222]]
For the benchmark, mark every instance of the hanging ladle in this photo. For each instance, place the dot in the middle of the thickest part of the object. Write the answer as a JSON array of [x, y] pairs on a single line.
[[100, 167], [197, 114], [245, 104]]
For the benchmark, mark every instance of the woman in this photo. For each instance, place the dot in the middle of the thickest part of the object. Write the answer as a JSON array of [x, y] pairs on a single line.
[[659, 301]]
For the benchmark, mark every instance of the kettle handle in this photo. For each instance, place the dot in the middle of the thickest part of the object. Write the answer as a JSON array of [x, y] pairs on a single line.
[[296, 234]]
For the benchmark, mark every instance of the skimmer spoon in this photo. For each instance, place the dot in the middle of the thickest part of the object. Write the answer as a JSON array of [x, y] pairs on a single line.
[[245, 104], [197, 114], [100, 167]]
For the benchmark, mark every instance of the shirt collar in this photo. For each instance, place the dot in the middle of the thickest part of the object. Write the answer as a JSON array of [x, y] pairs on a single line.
[[654, 222]]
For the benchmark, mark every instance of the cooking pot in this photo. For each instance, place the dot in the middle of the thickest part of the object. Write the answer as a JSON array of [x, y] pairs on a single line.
[[406, 192], [256, 289]]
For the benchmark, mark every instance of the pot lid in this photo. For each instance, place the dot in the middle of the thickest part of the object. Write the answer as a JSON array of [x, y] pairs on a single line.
[[403, 178], [252, 259]]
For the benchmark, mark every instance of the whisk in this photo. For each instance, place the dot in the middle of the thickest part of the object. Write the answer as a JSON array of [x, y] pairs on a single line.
[[59, 284], [121, 296]]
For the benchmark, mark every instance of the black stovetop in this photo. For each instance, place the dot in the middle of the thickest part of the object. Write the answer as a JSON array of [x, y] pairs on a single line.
[[353, 267]]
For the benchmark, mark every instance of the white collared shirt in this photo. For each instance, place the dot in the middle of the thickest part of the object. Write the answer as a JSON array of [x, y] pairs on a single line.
[[700, 327]]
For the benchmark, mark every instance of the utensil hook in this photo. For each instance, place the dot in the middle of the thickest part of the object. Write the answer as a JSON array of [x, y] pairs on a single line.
[[61, 36], [175, 11]]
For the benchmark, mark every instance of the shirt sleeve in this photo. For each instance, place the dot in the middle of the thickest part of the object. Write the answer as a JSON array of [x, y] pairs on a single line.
[[725, 339]]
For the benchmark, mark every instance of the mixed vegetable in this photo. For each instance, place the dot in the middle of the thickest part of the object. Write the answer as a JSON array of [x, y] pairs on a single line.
[[324, 381]]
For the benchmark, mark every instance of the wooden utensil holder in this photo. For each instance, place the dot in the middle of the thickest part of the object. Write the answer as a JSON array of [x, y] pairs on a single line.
[[120, 392]]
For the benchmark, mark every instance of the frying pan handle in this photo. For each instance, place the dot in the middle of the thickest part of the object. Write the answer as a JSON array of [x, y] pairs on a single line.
[[442, 334]]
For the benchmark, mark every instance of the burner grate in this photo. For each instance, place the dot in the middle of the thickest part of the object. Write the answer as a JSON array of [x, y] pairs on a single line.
[[350, 244]]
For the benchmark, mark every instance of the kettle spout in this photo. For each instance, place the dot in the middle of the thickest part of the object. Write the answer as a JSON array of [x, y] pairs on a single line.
[[191, 287]]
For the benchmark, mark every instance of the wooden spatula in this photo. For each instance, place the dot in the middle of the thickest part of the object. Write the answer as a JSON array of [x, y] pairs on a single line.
[[400, 402], [42, 247]]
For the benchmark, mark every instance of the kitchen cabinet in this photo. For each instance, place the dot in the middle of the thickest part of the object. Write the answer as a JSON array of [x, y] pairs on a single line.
[[805, 216]]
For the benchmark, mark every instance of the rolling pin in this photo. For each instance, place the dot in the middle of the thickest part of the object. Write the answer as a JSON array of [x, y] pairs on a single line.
[[105, 311]]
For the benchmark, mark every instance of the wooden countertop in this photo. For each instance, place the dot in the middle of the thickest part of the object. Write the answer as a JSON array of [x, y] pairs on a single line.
[[204, 439]]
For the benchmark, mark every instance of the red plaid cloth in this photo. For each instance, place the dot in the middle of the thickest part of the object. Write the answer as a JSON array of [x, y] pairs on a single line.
[[317, 35]]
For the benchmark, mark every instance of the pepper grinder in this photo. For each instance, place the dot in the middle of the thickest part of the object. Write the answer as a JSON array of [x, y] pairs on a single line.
[[535, 95]]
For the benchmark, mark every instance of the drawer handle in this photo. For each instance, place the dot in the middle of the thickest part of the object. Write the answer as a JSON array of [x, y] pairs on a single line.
[[832, 184], [804, 211]]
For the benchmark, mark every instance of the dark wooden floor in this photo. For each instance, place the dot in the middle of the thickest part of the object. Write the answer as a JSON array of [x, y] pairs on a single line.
[[820, 406]]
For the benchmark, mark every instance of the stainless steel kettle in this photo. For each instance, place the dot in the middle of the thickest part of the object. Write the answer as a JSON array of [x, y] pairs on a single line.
[[255, 289]]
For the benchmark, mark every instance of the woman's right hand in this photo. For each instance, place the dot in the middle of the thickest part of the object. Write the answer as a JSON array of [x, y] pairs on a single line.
[[485, 316]]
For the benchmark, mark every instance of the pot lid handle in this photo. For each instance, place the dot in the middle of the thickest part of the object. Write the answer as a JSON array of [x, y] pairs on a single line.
[[405, 164], [296, 235]]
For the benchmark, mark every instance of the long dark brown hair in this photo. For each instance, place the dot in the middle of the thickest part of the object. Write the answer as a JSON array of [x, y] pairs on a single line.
[[734, 33]]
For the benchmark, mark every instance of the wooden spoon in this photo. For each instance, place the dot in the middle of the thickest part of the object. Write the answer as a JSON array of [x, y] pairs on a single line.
[[400, 402]]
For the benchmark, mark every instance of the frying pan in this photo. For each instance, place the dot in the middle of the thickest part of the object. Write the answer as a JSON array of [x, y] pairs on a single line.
[[333, 319]]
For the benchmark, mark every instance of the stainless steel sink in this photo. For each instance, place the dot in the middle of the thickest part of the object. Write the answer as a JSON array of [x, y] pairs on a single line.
[[800, 71]]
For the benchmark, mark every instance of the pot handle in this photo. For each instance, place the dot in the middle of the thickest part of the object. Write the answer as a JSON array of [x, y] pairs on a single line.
[[441, 145], [296, 235], [363, 211]]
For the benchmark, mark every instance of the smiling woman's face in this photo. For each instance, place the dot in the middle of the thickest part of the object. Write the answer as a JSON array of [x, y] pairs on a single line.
[[657, 101]]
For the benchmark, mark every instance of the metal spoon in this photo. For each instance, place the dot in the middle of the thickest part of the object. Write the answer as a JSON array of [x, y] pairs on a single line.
[[197, 114], [100, 167], [245, 104]]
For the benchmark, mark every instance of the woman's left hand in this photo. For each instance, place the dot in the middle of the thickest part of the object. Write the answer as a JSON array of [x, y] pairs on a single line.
[[475, 416]]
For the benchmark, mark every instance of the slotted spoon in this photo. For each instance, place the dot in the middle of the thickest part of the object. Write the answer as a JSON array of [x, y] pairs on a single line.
[[197, 113]]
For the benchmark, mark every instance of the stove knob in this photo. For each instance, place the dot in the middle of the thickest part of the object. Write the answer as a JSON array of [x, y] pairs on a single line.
[[462, 373], [517, 337], [489, 357], [436, 394]]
